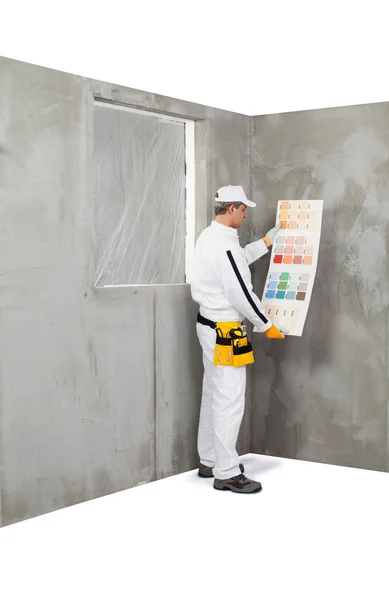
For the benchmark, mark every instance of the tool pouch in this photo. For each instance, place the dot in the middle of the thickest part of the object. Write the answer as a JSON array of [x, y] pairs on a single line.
[[232, 349], [242, 352], [223, 350]]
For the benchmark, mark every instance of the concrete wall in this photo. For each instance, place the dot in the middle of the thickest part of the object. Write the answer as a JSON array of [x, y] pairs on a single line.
[[93, 399], [99, 389], [324, 397]]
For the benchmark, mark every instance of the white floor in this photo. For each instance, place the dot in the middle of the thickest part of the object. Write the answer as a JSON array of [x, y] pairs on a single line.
[[315, 531]]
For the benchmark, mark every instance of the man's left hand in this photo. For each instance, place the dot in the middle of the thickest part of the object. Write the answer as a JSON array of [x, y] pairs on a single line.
[[273, 232]]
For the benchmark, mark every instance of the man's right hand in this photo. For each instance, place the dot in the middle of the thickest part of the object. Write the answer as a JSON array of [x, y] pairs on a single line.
[[276, 332]]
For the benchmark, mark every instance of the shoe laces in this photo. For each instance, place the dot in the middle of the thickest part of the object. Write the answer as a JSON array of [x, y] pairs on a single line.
[[240, 478]]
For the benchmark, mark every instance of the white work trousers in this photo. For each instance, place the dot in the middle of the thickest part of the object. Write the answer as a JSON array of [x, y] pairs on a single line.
[[222, 409]]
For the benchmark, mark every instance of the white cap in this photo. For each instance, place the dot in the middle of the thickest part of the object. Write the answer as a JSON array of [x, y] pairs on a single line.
[[233, 193]]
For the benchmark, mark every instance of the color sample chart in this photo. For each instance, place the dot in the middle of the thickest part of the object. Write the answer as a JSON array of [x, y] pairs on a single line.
[[287, 317], [287, 286], [293, 263], [294, 214], [291, 249]]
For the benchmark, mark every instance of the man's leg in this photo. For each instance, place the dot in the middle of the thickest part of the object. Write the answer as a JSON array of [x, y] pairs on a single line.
[[229, 386], [205, 433], [222, 409]]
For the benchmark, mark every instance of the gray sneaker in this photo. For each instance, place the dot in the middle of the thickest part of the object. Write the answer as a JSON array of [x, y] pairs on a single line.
[[239, 484], [208, 471]]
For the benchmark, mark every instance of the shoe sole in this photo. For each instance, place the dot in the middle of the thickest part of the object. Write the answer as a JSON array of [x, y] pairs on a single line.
[[228, 489]]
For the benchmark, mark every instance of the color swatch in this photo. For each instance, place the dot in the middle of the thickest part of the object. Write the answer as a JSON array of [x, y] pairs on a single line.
[[297, 214], [293, 263], [287, 286], [286, 317], [291, 249]]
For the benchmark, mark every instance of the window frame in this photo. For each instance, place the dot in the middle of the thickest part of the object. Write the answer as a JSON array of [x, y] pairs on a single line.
[[190, 214]]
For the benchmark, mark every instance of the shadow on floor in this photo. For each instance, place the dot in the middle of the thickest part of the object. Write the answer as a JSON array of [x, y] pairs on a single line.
[[260, 464]]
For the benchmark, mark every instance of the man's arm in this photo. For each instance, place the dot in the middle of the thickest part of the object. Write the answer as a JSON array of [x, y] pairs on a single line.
[[255, 250], [235, 277]]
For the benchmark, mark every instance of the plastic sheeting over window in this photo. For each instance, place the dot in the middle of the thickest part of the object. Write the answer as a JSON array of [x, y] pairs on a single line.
[[139, 199]]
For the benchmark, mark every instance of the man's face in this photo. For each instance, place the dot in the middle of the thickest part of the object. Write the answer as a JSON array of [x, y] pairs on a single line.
[[238, 214]]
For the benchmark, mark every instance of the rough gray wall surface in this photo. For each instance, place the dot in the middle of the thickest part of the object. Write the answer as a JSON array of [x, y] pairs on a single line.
[[324, 397], [99, 389]]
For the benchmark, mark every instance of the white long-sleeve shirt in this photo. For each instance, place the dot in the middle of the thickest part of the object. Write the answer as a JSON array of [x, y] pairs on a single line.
[[221, 279]]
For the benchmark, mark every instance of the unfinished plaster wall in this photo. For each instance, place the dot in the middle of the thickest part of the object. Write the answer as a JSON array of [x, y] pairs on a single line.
[[324, 397], [99, 389]]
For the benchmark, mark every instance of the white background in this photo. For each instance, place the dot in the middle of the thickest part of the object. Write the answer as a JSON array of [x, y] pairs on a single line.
[[251, 57]]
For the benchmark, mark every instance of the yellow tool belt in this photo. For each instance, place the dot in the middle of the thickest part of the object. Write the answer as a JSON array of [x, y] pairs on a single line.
[[233, 348]]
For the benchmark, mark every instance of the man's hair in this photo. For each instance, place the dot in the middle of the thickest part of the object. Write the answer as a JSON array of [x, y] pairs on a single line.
[[222, 207]]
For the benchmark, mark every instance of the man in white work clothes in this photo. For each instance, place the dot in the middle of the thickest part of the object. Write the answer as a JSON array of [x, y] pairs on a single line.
[[221, 285]]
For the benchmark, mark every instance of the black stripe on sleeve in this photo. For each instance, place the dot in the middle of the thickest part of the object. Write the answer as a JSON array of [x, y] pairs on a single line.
[[244, 288]]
